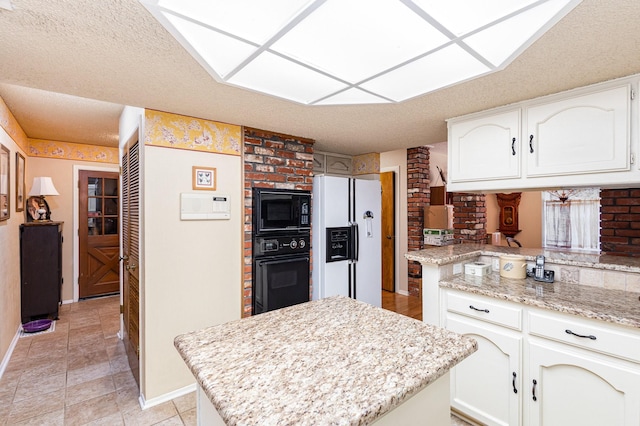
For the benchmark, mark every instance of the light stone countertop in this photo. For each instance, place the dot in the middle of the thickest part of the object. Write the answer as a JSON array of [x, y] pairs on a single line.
[[459, 252], [332, 361], [615, 306]]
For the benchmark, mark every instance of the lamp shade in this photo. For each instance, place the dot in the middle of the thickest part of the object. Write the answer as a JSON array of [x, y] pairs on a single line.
[[42, 186]]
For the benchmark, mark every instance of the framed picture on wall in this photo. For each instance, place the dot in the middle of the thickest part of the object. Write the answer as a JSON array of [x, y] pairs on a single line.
[[20, 182], [204, 178], [5, 177]]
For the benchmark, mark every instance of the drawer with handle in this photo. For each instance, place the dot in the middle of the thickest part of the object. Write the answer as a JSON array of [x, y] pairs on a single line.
[[485, 309], [598, 337]]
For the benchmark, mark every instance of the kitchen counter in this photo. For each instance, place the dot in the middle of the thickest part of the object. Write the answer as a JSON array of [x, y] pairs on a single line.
[[615, 306], [331, 361], [461, 252]]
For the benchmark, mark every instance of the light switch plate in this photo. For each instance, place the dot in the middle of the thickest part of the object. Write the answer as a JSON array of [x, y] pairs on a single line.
[[457, 268]]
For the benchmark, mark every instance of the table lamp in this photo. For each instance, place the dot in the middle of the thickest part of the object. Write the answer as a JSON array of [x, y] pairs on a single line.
[[37, 205]]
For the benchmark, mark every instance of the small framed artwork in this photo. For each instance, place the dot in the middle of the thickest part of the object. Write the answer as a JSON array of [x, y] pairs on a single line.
[[5, 177], [204, 178], [19, 182]]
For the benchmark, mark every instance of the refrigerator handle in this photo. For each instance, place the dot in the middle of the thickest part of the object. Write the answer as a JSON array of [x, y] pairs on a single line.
[[355, 241]]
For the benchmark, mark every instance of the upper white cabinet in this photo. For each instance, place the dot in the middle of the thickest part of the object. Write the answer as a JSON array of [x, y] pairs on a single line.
[[577, 138], [584, 134], [485, 148]]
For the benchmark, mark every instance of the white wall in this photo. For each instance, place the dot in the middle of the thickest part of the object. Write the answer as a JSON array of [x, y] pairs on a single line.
[[192, 269], [397, 160]]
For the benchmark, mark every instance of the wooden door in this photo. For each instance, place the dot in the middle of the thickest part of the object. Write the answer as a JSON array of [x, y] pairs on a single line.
[[131, 255], [387, 182], [99, 222]]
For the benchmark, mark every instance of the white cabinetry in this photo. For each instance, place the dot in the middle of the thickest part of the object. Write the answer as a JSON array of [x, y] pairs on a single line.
[[583, 134], [578, 138], [486, 386], [485, 148], [568, 370], [573, 387]]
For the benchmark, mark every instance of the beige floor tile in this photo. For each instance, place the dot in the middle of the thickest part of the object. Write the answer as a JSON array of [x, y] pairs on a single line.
[[112, 420], [48, 349], [89, 390], [119, 364], [115, 348], [124, 379], [127, 399], [96, 340], [171, 421], [84, 320], [40, 385], [88, 330], [150, 416], [185, 402], [81, 359], [36, 367], [35, 406], [91, 410], [86, 374], [190, 417], [54, 418]]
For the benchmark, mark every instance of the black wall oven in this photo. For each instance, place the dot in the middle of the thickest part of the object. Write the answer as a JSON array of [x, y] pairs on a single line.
[[281, 248], [280, 272]]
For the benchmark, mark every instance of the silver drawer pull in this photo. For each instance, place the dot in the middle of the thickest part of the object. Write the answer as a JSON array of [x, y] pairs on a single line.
[[479, 310], [591, 336]]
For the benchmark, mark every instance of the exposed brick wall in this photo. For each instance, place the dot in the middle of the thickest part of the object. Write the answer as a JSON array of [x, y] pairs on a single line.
[[469, 218], [418, 197], [271, 160], [620, 221]]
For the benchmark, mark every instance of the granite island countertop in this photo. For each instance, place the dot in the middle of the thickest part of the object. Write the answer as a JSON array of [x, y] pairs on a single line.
[[331, 361]]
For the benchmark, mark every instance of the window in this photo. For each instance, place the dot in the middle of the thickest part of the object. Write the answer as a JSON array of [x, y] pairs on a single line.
[[571, 219]]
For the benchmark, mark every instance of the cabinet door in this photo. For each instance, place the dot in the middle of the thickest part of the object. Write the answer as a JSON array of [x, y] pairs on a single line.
[[485, 148], [573, 387], [584, 134], [487, 385]]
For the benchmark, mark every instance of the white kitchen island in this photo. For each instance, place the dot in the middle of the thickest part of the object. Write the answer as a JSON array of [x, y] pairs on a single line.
[[331, 361]]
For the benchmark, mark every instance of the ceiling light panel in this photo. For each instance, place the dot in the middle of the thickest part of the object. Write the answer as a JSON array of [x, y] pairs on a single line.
[[464, 16], [507, 39], [443, 68], [271, 74], [354, 51], [355, 41]]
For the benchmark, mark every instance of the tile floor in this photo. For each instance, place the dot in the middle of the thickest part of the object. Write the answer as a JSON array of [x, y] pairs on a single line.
[[79, 375]]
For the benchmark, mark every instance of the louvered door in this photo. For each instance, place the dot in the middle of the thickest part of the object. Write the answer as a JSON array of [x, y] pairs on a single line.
[[131, 254]]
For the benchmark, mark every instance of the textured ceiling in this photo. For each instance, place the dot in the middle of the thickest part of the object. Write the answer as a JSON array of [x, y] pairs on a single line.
[[113, 51]]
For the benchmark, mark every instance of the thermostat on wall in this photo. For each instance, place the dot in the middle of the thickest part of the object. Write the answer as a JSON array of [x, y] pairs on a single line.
[[204, 206]]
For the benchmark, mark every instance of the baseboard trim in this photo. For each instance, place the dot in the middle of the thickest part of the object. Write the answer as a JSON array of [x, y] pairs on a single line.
[[403, 292], [144, 404], [7, 356]]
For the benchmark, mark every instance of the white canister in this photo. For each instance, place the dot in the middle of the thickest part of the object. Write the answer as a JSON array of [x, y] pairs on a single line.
[[513, 266]]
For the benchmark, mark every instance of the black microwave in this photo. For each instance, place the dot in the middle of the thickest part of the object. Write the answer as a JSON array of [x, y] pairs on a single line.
[[281, 210]]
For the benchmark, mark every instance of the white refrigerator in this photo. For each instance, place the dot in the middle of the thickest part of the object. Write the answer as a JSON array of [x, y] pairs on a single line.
[[346, 240]]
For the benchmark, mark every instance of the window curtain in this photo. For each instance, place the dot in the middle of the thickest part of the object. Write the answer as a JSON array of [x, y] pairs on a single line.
[[574, 223]]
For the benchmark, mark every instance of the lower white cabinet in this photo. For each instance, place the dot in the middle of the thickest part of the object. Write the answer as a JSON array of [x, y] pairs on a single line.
[[552, 369], [486, 385], [571, 386]]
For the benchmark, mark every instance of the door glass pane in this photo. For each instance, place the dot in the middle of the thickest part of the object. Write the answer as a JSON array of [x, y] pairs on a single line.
[[111, 206], [95, 226], [110, 226], [94, 206], [94, 186], [111, 187]]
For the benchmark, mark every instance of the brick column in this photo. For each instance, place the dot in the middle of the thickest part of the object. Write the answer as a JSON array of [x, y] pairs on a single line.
[[271, 160], [620, 221], [469, 218], [418, 197]]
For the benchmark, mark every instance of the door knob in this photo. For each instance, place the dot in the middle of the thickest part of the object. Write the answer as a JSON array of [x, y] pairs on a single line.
[[390, 237], [131, 267]]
